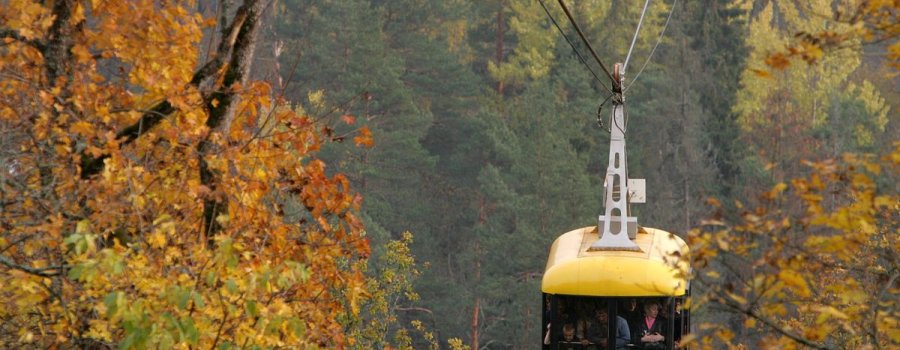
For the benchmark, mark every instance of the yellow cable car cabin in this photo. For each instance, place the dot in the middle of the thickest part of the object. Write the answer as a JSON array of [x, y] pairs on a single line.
[[584, 288], [615, 286]]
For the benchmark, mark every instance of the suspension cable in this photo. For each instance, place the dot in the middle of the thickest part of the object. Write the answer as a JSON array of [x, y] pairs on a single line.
[[586, 42], [577, 53], [634, 39], [658, 40]]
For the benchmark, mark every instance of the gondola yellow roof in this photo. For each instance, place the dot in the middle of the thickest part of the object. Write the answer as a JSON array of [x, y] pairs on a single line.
[[654, 271]]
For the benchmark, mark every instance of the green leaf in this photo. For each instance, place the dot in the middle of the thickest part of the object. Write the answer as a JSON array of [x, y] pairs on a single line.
[[76, 271], [251, 308], [112, 304], [128, 342], [85, 271], [231, 286], [198, 300], [190, 331], [71, 239], [298, 327], [182, 297], [211, 278]]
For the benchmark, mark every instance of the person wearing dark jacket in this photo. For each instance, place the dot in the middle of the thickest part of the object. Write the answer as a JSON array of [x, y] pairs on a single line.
[[598, 331], [651, 328], [631, 311]]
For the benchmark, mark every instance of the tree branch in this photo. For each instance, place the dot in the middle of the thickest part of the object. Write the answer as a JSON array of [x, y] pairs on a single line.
[[34, 271], [17, 241], [770, 324], [873, 331], [57, 52], [91, 166], [243, 42], [12, 34]]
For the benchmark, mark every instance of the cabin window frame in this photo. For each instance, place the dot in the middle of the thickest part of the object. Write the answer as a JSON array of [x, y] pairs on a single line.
[[612, 308]]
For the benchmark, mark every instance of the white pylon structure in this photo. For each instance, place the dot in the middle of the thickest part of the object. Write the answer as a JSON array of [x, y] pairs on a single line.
[[616, 227]]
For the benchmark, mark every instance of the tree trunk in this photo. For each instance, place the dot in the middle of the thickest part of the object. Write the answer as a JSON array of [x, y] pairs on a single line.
[[475, 311], [498, 55], [221, 105]]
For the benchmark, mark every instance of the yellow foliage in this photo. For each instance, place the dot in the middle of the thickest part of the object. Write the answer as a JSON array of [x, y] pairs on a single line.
[[122, 258], [794, 280], [820, 281]]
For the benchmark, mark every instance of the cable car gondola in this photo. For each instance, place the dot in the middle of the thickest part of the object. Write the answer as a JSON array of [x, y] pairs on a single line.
[[578, 281], [616, 285]]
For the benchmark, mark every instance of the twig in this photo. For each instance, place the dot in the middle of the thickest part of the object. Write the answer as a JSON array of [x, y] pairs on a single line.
[[34, 271]]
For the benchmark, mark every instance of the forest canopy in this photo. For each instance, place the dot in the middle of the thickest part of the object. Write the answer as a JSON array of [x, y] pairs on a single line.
[[390, 173]]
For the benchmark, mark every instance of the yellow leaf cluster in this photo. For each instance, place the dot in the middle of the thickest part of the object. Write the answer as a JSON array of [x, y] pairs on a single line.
[[121, 259], [821, 281]]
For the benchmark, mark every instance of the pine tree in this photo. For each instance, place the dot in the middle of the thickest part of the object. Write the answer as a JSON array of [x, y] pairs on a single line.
[[714, 54]]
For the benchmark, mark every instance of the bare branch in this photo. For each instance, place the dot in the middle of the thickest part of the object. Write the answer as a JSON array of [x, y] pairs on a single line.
[[17, 241], [56, 270], [12, 34], [769, 323]]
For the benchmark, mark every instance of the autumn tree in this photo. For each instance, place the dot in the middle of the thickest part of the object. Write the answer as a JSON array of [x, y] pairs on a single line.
[[153, 196], [825, 279], [802, 112]]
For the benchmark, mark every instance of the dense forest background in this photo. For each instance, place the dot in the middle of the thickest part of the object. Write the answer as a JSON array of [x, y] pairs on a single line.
[[487, 144], [472, 125]]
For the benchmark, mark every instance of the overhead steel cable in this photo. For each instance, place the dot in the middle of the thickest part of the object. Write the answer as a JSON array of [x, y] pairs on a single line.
[[587, 43], [577, 53], [658, 40], [634, 39]]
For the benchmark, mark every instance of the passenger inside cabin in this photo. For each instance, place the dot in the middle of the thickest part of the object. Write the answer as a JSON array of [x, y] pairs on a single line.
[[598, 333], [567, 335], [562, 320], [584, 321], [631, 311], [652, 328], [568, 340], [679, 322]]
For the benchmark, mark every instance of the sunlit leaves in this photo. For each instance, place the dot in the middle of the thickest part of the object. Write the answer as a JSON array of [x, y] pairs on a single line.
[[120, 259], [817, 276], [31, 18]]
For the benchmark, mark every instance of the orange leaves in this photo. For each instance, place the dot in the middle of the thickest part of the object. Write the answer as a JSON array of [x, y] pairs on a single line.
[[82, 128], [81, 53], [364, 138], [144, 36], [777, 61], [29, 18]]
